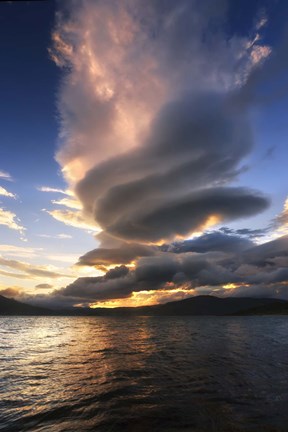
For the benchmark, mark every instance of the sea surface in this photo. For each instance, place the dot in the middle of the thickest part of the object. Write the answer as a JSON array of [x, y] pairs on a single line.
[[144, 374]]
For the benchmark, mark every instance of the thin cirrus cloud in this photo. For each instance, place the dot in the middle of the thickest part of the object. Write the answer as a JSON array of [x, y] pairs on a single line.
[[49, 189], [155, 130], [15, 275], [4, 175], [57, 236]]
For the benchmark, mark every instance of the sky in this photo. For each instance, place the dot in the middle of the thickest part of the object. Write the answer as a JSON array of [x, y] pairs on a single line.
[[143, 150]]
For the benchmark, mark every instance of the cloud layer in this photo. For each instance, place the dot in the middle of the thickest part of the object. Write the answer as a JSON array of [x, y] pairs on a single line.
[[155, 131], [214, 263]]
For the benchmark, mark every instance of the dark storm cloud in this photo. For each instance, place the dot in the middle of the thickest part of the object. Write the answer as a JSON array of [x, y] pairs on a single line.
[[117, 272], [180, 217], [265, 253], [212, 241], [197, 269], [172, 185], [271, 277], [262, 291], [124, 254], [246, 232], [152, 273], [171, 269], [197, 141], [96, 289]]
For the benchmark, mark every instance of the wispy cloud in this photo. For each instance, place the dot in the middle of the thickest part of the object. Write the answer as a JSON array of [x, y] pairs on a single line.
[[32, 270], [64, 236], [54, 190], [5, 176], [10, 220], [262, 21], [6, 193], [57, 236], [72, 218], [19, 251], [15, 275], [68, 202]]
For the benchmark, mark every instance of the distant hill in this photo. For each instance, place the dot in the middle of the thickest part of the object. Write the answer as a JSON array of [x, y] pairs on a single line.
[[211, 305], [199, 305], [13, 307]]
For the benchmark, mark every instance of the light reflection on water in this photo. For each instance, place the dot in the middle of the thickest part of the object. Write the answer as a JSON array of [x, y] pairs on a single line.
[[146, 373]]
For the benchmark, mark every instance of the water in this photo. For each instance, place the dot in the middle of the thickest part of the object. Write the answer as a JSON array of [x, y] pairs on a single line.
[[144, 374]]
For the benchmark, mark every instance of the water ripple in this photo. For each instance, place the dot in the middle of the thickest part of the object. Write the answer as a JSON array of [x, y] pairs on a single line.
[[146, 373]]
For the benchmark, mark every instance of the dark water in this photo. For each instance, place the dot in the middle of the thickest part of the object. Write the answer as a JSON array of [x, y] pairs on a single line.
[[144, 374]]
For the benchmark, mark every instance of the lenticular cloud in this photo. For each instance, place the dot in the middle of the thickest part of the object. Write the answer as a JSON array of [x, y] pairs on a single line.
[[152, 129]]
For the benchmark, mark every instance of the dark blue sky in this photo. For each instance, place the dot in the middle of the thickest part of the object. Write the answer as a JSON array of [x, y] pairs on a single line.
[[28, 86]]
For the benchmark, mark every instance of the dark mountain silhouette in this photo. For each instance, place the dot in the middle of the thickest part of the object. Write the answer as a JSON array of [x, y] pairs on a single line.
[[13, 307], [199, 305], [210, 305]]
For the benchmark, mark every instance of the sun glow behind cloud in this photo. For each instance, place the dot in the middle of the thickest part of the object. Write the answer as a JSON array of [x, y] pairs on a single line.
[[148, 298], [281, 221]]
